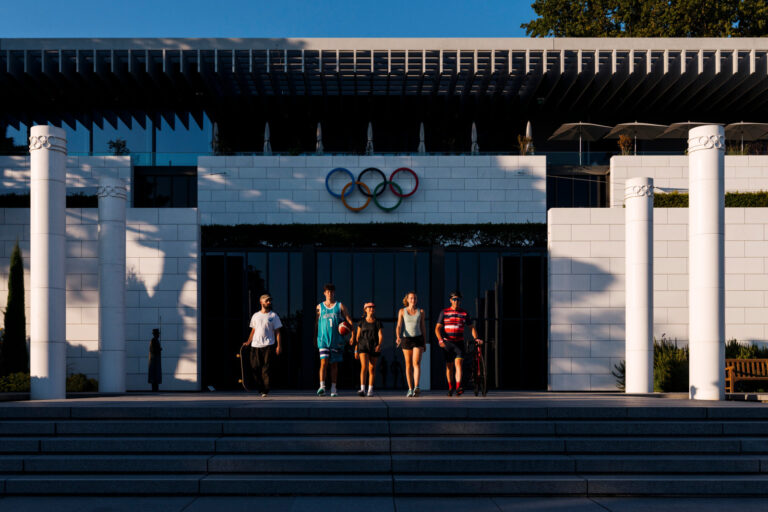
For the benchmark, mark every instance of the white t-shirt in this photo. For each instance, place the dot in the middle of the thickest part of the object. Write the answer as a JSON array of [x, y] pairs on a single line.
[[265, 325]]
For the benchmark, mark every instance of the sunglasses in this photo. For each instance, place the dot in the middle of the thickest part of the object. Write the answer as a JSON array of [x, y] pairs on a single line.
[[456, 298]]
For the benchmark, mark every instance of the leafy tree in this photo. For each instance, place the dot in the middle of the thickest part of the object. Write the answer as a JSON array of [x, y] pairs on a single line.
[[14, 357], [118, 146], [649, 18]]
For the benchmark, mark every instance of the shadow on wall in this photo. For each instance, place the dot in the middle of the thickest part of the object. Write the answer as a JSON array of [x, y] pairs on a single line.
[[586, 330], [162, 304]]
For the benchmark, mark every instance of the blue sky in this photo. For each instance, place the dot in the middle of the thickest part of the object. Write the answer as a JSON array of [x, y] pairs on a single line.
[[259, 18]]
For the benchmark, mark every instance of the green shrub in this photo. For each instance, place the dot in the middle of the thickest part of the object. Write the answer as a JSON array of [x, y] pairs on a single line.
[[732, 200], [15, 382], [736, 350], [620, 372], [670, 366], [13, 351], [79, 382]]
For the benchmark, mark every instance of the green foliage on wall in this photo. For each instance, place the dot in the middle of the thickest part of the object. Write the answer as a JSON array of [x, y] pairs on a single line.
[[375, 235], [732, 200]]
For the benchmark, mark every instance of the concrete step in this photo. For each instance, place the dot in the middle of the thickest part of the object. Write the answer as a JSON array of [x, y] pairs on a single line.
[[670, 464], [78, 463], [90, 485], [324, 463], [403, 485], [139, 427], [303, 444], [301, 484]]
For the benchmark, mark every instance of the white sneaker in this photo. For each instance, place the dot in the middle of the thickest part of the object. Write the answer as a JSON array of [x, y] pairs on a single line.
[[370, 392], [334, 394]]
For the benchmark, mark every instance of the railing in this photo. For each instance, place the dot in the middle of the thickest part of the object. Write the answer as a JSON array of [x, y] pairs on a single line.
[[554, 158]]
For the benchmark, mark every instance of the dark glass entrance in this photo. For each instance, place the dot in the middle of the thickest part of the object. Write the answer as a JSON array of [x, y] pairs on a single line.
[[505, 290]]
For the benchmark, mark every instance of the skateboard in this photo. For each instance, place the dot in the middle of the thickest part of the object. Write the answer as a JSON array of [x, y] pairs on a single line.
[[245, 376]]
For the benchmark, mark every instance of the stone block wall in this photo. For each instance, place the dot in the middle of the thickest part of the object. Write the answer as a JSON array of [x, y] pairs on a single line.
[[291, 189], [162, 267], [742, 173], [586, 287], [83, 173]]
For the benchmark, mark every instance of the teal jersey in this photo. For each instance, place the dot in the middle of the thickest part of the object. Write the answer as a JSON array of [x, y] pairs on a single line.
[[328, 326]]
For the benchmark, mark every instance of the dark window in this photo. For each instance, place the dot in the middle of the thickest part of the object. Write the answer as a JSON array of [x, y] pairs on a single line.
[[165, 187]]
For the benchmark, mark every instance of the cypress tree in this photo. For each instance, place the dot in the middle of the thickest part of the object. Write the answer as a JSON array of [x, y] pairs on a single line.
[[14, 357]]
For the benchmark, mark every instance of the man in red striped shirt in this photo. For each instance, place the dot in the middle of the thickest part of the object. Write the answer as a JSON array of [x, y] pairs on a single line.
[[453, 321]]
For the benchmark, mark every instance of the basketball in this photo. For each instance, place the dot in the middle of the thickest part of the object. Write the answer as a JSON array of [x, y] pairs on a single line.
[[344, 328]]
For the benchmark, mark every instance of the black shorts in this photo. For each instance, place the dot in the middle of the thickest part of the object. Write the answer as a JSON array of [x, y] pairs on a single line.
[[453, 350], [367, 348], [410, 343]]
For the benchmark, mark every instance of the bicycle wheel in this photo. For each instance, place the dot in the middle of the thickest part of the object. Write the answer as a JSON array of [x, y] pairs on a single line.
[[482, 378]]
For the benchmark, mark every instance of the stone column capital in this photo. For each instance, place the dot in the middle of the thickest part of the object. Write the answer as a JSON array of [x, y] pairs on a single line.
[[48, 137], [706, 137]]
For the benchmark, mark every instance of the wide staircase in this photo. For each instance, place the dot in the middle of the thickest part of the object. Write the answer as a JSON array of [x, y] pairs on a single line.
[[403, 447]]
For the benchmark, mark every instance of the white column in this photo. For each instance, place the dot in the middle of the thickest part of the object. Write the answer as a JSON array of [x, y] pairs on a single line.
[[48, 194], [112, 195], [638, 202], [706, 262]]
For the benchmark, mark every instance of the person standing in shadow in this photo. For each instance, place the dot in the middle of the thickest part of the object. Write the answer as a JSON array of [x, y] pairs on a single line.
[[155, 373]]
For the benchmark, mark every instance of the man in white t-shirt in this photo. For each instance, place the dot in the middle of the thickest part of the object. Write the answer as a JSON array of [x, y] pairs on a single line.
[[264, 341]]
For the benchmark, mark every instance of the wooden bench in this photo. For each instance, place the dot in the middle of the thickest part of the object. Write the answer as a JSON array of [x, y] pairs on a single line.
[[737, 370]]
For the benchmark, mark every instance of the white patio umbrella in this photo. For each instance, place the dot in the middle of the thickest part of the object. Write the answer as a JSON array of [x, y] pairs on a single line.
[[746, 131], [582, 131], [422, 147], [319, 140], [680, 130], [267, 145], [475, 148], [529, 136], [369, 144], [636, 130]]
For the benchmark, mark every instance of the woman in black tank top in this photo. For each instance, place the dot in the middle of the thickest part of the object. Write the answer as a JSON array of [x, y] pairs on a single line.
[[369, 337]]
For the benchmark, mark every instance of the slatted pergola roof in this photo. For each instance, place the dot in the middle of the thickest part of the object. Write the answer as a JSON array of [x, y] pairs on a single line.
[[97, 80]]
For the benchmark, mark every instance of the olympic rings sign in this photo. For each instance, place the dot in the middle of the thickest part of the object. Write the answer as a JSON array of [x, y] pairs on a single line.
[[366, 191]]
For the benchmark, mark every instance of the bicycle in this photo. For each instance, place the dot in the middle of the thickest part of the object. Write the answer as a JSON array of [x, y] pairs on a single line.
[[479, 371]]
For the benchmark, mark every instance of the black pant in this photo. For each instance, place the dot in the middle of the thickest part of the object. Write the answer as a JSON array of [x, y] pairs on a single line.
[[260, 362]]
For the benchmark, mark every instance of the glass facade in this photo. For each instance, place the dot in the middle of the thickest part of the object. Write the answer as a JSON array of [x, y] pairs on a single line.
[[504, 290]]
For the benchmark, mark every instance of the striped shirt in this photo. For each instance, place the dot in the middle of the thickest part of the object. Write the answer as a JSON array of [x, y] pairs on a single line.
[[453, 321]]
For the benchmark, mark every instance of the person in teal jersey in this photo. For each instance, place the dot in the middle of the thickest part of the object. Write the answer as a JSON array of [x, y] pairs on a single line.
[[329, 342]]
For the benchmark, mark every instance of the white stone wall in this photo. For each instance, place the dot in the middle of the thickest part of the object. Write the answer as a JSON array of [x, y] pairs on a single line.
[[162, 267], [291, 189], [742, 173], [586, 287], [83, 173]]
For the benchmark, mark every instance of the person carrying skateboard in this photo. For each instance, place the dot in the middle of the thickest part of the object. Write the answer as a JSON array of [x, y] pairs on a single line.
[[264, 340], [330, 344], [454, 320]]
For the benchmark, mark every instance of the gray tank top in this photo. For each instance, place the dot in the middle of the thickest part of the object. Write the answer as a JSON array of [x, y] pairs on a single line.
[[411, 324]]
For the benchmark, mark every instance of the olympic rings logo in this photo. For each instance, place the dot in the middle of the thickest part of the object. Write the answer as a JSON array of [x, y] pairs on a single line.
[[366, 191]]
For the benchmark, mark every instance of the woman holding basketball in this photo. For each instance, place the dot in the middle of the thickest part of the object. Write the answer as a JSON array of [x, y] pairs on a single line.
[[410, 337], [369, 337]]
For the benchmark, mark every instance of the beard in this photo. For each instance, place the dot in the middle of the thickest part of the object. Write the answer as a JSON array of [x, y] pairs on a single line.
[[268, 307]]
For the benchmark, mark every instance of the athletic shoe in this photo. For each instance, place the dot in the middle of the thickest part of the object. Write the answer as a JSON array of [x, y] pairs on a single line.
[[459, 391], [263, 395], [370, 392], [321, 392], [410, 393], [361, 393], [334, 394], [417, 392], [450, 392]]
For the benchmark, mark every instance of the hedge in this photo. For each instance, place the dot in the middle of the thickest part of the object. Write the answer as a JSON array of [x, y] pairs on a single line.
[[732, 200], [374, 235]]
